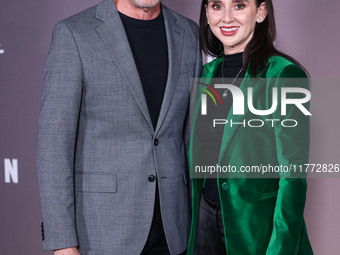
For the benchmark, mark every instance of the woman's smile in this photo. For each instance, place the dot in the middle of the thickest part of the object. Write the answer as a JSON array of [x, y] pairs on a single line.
[[229, 31]]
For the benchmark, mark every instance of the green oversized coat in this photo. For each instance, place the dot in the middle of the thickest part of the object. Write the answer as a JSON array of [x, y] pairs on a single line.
[[263, 215]]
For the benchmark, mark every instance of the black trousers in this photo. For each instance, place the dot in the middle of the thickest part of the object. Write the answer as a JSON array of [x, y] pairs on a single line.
[[156, 242], [209, 235]]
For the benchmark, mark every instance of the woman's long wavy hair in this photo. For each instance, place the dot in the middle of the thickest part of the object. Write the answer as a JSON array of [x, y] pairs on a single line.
[[258, 50]]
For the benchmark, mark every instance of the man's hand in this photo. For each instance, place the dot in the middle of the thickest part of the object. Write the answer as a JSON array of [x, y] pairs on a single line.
[[67, 251]]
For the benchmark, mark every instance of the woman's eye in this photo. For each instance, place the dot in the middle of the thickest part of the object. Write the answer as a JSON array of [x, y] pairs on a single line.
[[216, 6], [239, 6]]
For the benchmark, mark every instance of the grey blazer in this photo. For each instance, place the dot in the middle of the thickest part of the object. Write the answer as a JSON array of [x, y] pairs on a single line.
[[96, 143]]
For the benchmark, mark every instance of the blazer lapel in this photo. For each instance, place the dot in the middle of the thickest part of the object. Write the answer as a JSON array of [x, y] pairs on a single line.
[[230, 132], [174, 35], [113, 34]]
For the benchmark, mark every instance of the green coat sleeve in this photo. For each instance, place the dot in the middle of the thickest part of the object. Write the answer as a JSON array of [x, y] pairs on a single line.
[[292, 145]]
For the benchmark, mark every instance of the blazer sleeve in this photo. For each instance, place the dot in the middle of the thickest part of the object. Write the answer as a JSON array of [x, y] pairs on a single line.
[[292, 145], [57, 133]]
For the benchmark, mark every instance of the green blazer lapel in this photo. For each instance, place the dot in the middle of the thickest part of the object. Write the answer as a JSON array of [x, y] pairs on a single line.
[[210, 69], [209, 72], [241, 120]]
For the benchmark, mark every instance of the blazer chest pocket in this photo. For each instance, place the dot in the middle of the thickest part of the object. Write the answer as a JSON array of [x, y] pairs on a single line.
[[95, 183], [187, 67]]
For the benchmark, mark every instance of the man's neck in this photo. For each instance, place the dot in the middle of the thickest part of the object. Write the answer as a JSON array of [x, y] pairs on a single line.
[[127, 8]]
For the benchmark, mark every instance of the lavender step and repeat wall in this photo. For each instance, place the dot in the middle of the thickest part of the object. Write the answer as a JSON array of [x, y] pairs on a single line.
[[307, 29]]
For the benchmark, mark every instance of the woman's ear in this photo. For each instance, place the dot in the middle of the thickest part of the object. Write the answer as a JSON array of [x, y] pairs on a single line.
[[261, 12]]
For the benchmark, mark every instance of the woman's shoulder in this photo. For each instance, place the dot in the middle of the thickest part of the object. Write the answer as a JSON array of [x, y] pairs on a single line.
[[279, 62], [280, 66]]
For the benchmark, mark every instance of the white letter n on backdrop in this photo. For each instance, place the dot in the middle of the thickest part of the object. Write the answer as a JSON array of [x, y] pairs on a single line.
[[11, 170]]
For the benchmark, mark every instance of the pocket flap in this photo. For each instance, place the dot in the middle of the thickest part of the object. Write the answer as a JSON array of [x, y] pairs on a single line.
[[101, 183], [265, 195]]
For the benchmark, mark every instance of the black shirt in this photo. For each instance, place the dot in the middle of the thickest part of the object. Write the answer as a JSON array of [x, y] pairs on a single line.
[[147, 39], [211, 137]]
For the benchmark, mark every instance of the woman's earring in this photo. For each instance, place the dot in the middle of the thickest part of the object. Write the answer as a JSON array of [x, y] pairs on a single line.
[[259, 21]]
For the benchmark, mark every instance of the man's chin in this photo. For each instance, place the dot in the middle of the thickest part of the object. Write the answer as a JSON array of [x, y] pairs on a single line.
[[145, 3]]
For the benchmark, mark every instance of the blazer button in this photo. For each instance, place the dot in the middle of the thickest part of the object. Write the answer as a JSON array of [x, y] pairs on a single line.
[[151, 178], [225, 185], [156, 142]]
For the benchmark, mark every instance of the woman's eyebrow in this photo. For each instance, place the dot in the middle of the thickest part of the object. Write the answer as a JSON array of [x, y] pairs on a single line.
[[240, 1], [234, 1], [214, 1]]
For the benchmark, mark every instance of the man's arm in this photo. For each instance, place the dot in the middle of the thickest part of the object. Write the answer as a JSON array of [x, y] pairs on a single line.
[[292, 149], [57, 133]]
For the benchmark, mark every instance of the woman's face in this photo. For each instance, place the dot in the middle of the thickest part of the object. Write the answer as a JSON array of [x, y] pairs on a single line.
[[233, 22]]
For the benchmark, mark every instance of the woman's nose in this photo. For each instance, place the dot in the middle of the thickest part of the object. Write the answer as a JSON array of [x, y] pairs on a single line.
[[228, 15]]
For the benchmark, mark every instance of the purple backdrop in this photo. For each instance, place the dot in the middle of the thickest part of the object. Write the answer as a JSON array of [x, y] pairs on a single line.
[[307, 30]]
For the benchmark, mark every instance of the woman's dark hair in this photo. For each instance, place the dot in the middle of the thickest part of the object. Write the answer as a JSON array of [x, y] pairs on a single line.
[[258, 50]]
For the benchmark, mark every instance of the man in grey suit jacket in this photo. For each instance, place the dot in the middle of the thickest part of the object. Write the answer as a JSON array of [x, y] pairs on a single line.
[[106, 167]]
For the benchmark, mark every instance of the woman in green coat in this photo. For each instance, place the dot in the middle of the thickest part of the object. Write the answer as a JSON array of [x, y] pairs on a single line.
[[235, 212]]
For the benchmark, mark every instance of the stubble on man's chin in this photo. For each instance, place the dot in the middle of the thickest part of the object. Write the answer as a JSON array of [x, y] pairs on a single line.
[[141, 4]]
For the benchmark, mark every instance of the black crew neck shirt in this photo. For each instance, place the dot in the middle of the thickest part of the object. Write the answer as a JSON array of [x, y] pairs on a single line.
[[211, 138], [147, 39]]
